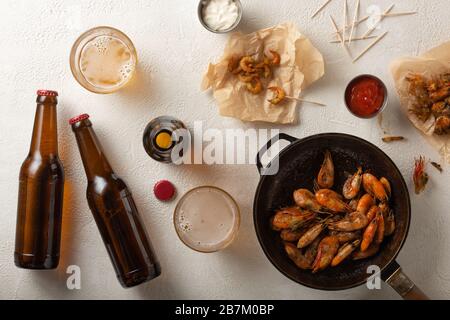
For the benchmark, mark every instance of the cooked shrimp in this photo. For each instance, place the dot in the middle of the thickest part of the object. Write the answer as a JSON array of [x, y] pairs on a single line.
[[345, 237], [297, 257], [311, 250], [354, 221], [280, 94], [264, 68], [306, 199], [310, 235], [420, 177], [372, 213], [374, 187], [369, 234], [276, 59], [387, 186], [291, 218], [247, 64], [389, 224], [325, 178], [328, 248], [353, 204], [352, 185], [331, 200], [345, 251], [233, 65], [291, 235], [246, 77], [365, 203], [379, 236], [371, 251], [254, 86]]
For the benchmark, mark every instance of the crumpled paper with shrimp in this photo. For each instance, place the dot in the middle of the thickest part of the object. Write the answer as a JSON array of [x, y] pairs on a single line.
[[301, 65], [433, 63]]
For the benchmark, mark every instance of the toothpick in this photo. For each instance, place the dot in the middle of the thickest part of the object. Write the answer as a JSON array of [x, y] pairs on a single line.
[[340, 37], [381, 19], [355, 18], [370, 46], [356, 24], [307, 101], [354, 39], [344, 28], [398, 14], [320, 9]]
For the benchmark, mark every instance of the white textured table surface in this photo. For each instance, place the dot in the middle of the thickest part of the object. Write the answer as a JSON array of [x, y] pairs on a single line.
[[174, 49]]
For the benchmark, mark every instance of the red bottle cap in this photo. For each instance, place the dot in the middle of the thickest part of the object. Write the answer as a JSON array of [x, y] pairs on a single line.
[[164, 190], [79, 118], [47, 93]]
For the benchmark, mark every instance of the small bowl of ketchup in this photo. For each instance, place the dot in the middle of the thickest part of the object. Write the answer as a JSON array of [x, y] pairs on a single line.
[[366, 96]]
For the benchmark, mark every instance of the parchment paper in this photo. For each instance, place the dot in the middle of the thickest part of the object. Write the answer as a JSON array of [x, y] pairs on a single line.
[[433, 63], [301, 65]]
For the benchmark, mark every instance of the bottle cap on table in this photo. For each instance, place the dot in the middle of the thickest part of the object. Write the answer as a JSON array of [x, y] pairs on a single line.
[[164, 190]]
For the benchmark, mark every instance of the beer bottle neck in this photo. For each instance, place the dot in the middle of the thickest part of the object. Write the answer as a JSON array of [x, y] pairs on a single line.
[[94, 160], [45, 132]]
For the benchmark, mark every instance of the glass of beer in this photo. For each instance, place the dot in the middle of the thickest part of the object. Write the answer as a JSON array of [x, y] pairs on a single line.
[[103, 60]]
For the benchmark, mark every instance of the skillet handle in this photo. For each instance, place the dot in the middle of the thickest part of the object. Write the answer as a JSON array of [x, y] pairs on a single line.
[[400, 282], [278, 137]]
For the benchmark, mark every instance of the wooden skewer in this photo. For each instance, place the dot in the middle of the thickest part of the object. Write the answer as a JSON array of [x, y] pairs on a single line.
[[355, 18], [344, 23], [370, 46], [398, 14], [321, 8], [340, 37], [307, 101], [354, 39], [381, 19]]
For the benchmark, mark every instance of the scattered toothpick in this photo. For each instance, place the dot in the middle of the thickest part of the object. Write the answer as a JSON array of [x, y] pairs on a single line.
[[340, 37], [398, 14], [344, 23], [356, 24], [355, 18], [321, 8], [370, 46], [354, 39], [381, 19], [307, 101]]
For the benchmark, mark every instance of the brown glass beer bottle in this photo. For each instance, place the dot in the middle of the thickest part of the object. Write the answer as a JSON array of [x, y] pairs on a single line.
[[114, 211], [41, 184]]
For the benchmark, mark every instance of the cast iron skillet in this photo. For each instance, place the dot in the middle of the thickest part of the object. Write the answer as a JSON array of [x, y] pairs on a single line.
[[298, 164]]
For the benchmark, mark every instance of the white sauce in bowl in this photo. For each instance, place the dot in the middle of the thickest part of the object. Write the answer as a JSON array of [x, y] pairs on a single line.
[[220, 15]]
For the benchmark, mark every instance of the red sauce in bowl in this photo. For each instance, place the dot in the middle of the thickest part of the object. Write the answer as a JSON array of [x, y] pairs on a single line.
[[365, 96]]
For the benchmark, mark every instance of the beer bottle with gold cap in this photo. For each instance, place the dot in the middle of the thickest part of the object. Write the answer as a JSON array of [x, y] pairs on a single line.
[[114, 211], [41, 184]]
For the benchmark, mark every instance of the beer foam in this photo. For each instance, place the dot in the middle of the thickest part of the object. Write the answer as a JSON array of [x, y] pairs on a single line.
[[106, 62]]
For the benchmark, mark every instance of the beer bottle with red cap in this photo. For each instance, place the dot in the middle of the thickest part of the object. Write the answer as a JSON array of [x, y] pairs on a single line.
[[41, 184], [115, 212]]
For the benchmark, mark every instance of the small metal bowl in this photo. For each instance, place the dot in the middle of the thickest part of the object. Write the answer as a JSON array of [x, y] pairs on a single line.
[[350, 85], [202, 3]]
